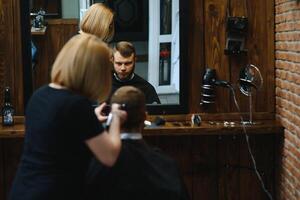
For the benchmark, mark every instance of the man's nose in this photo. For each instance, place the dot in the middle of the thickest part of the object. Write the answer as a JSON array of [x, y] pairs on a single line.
[[123, 67]]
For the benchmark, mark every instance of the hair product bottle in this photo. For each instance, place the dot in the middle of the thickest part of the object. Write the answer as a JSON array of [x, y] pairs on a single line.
[[7, 109]]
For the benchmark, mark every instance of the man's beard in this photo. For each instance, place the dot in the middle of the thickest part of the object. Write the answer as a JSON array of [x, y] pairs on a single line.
[[128, 78]]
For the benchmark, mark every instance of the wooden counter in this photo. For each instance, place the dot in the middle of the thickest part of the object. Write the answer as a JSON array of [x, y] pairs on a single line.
[[16, 131], [213, 159], [213, 128], [178, 129]]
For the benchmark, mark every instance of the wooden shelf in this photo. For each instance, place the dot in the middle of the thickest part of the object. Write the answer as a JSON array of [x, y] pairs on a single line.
[[35, 31]]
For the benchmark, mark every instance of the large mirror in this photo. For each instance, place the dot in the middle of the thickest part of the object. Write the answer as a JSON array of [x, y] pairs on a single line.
[[157, 29]]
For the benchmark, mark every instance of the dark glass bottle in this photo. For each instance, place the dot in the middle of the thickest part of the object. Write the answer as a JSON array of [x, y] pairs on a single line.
[[7, 109]]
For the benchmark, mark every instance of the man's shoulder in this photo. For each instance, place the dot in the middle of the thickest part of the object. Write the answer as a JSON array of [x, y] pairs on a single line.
[[142, 81], [148, 89], [139, 78]]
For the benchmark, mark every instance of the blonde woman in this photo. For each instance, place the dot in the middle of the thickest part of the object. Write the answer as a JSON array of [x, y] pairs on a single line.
[[62, 128], [98, 20]]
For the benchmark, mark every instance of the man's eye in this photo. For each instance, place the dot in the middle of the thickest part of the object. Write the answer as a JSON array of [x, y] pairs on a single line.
[[125, 63]]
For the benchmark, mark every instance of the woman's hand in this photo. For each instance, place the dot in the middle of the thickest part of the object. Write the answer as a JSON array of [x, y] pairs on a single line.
[[99, 112], [115, 110], [106, 146]]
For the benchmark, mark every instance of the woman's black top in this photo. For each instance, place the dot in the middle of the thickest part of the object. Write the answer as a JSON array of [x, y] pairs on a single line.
[[55, 156]]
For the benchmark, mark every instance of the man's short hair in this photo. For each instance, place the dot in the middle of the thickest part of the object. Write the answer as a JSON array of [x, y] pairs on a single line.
[[126, 49], [134, 103]]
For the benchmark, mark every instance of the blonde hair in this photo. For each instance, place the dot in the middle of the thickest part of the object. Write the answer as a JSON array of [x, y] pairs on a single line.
[[98, 20], [83, 66]]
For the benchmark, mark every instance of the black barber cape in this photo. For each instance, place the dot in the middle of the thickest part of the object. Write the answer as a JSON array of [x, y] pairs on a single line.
[[140, 83], [140, 173]]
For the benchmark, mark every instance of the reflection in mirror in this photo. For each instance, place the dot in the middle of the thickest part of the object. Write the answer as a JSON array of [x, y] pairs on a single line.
[[52, 8], [156, 29]]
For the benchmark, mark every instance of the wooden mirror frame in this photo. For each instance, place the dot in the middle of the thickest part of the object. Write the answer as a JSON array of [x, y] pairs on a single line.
[[26, 50]]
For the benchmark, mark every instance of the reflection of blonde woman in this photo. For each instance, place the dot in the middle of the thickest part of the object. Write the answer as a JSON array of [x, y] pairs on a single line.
[[98, 20], [62, 128]]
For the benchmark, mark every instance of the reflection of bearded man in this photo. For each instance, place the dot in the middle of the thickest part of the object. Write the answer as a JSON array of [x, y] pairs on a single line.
[[124, 59], [124, 65]]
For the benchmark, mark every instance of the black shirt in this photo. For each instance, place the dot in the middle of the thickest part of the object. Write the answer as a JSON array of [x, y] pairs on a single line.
[[55, 156], [141, 172], [140, 83]]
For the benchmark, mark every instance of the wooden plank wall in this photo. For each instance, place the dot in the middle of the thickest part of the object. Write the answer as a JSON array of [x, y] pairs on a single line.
[[220, 167], [207, 37], [12, 150], [2, 182], [11, 69]]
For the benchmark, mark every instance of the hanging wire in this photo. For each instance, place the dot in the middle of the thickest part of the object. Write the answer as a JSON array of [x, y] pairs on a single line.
[[228, 13], [248, 145]]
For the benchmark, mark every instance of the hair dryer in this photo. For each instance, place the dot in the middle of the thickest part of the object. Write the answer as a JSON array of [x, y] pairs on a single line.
[[208, 86]]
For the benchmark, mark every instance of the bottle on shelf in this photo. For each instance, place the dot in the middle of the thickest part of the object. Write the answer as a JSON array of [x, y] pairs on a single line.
[[7, 109]]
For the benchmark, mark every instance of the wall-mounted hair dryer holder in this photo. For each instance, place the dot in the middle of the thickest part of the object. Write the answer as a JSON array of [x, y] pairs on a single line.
[[208, 93]]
